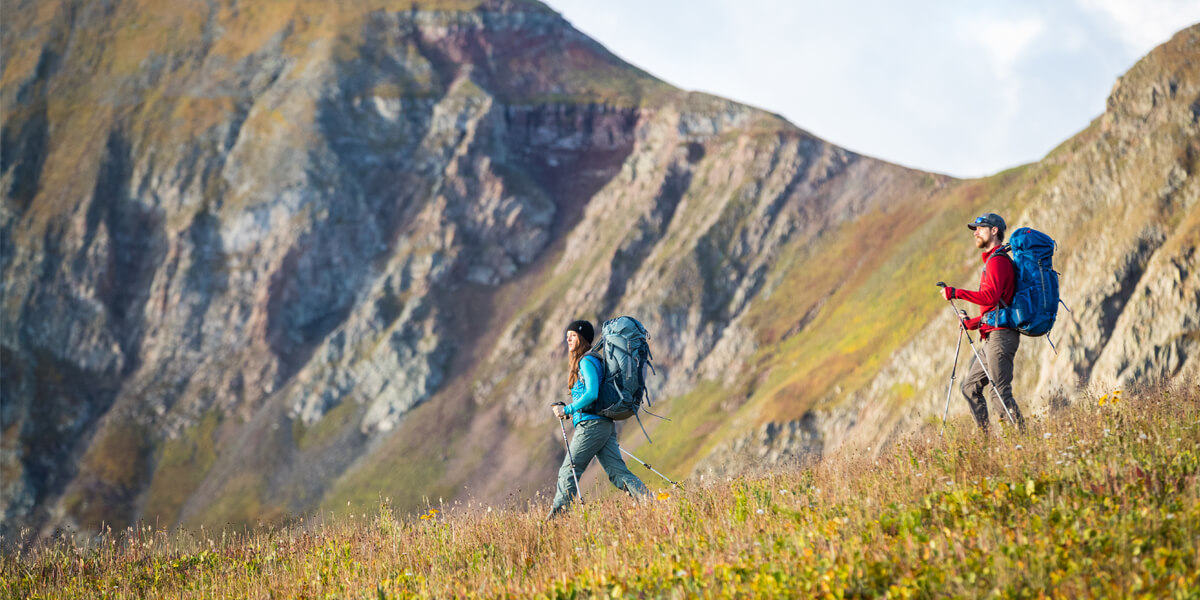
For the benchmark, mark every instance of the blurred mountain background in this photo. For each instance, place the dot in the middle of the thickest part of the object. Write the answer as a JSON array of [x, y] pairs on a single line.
[[266, 259]]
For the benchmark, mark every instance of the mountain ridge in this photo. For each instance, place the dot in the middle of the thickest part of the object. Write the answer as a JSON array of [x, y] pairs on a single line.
[[277, 306]]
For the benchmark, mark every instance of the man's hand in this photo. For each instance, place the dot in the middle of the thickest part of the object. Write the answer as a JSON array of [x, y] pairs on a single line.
[[948, 293], [560, 412]]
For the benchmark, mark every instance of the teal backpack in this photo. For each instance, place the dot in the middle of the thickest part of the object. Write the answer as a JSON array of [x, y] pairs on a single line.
[[624, 353]]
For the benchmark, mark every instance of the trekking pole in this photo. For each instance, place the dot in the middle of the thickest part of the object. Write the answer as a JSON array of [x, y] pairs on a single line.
[[647, 465], [953, 370], [982, 364], [578, 490]]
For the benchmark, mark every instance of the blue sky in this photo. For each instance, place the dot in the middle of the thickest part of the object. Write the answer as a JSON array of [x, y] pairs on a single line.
[[964, 88]]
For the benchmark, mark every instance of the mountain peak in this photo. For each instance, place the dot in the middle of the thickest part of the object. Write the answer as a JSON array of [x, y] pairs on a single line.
[[262, 259], [1155, 84]]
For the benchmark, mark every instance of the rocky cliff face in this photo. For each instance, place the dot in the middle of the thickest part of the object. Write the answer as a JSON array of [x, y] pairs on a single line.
[[1121, 200], [284, 258]]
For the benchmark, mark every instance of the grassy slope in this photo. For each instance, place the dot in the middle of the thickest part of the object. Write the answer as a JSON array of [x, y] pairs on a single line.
[[868, 284], [863, 281], [1101, 501], [102, 91]]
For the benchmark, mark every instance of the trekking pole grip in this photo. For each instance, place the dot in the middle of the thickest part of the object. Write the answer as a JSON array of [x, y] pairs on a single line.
[[941, 284]]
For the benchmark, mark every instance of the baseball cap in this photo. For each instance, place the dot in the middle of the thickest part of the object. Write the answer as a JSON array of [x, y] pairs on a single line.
[[987, 220]]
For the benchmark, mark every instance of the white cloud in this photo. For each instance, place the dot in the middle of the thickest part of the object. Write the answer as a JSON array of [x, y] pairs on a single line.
[[1144, 24], [1003, 41], [961, 88]]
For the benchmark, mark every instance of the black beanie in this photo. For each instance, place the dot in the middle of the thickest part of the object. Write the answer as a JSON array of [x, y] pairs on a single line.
[[584, 329]]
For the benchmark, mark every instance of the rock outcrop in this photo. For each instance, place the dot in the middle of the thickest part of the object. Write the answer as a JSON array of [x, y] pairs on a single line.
[[277, 260]]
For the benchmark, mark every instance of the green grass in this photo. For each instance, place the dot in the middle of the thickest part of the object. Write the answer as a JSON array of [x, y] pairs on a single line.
[[241, 502], [1098, 500], [322, 432], [182, 464], [113, 469], [862, 289], [420, 475], [696, 420]]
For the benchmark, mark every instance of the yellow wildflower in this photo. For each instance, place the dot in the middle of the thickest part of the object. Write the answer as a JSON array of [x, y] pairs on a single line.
[[663, 495]]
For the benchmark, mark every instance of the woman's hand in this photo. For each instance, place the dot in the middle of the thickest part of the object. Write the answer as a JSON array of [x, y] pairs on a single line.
[[559, 412]]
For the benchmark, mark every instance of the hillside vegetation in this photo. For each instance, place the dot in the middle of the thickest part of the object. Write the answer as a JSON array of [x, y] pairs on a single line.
[[272, 259], [1101, 500]]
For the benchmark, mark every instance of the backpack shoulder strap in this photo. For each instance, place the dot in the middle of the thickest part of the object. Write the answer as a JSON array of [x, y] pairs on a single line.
[[1001, 251], [599, 362], [1006, 252]]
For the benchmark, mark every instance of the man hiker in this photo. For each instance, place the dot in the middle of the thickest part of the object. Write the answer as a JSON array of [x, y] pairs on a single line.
[[996, 288]]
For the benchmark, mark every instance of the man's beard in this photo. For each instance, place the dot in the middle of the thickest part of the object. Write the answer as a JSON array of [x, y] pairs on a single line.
[[979, 243]]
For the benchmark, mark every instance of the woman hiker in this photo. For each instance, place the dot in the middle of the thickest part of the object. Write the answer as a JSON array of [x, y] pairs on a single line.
[[594, 435]]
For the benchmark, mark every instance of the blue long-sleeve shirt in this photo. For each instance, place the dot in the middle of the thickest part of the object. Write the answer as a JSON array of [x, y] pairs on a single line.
[[586, 389]]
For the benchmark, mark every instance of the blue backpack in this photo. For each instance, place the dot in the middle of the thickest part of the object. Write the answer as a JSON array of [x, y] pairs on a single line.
[[1035, 302], [624, 353]]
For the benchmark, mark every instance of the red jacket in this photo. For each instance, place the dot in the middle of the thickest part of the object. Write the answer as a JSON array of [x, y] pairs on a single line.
[[998, 282]]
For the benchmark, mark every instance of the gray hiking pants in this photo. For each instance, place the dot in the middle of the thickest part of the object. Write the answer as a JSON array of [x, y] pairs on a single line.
[[998, 351], [598, 438]]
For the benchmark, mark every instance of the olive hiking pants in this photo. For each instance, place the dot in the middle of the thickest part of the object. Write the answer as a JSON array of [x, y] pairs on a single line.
[[998, 351], [595, 438]]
